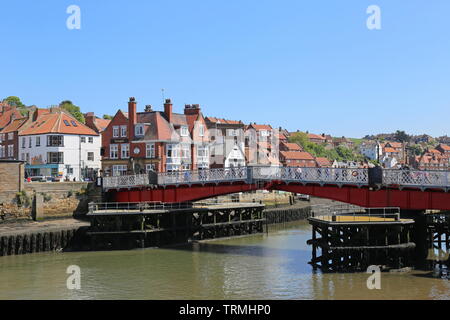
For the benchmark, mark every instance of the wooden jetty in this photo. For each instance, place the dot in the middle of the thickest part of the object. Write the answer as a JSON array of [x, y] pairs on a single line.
[[130, 225], [349, 238]]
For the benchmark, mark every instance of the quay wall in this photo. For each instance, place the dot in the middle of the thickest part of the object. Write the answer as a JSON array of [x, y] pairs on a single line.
[[65, 238], [60, 199], [283, 215]]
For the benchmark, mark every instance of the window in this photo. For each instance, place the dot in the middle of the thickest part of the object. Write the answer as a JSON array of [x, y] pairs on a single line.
[[55, 157], [74, 123], [149, 167], [202, 152], [83, 139], [91, 140], [23, 143], [173, 151], [115, 131], [125, 151], [139, 130], [114, 151], [11, 151], [123, 131], [264, 133], [29, 142], [119, 170], [150, 150], [201, 130], [27, 158], [184, 131], [186, 151], [66, 123], [55, 141], [90, 156], [2, 151], [38, 141], [10, 135]]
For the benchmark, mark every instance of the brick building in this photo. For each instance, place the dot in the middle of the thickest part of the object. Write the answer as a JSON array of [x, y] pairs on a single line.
[[139, 142]]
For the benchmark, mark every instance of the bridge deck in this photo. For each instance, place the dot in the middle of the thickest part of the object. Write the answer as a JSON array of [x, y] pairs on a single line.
[[358, 219]]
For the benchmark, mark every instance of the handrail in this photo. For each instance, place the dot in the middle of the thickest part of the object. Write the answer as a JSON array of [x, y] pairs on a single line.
[[354, 213], [337, 176]]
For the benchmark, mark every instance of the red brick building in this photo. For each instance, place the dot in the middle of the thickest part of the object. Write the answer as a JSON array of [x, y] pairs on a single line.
[[138, 142], [297, 159]]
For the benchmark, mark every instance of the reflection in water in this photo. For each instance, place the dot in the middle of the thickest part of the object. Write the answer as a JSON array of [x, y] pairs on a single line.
[[272, 266]]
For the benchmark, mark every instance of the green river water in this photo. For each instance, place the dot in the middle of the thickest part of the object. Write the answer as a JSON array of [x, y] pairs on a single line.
[[266, 266]]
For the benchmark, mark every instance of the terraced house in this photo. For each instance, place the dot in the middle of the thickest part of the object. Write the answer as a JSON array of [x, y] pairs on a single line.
[[160, 141], [56, 144]]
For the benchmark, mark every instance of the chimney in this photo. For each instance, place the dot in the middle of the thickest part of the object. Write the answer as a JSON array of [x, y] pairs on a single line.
[[194, 109], [148, 108], [90, 121], [131, 117], [168, 110]]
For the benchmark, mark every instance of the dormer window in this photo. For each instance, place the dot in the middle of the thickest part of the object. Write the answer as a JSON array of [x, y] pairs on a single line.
[[139, 130], [184, 131]]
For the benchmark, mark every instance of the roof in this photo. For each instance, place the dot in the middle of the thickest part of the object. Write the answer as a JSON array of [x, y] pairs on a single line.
[[260, 126], [388, 149], [291, 146], [14, 125], [221, 120], [323, 161], [296, 155], [395, 144], [444, 147], [5, 117], [315, 136], [102, 124], [57, 122]]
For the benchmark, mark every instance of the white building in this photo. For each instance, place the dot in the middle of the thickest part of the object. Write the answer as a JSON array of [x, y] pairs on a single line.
[[58, 145], [371, 150]]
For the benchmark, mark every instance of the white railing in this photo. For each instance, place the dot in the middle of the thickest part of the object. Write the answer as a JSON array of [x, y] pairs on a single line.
[[202, 176], [336, 176], [416, 178], [126, 181], [312, 175]]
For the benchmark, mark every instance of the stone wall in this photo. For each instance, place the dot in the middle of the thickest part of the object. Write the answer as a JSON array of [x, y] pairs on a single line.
[[12, 179], [60, 199]]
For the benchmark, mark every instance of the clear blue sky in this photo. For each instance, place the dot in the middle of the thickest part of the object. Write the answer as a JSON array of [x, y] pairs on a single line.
[[308, 65]]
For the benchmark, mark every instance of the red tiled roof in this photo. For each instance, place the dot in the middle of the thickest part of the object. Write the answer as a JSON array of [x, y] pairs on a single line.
[[102, 124], [323, 162], [221, 120], [295, 155], [388, 149], [315, 136], [444, 147], [57, 122], [260, 126], [14, 125], [5, 117], [292, 146]]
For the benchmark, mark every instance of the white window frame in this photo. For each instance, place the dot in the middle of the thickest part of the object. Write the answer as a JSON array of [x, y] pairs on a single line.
[[150, 150], [139, 130], [201, 130], [38, 141], [184, 131], [125, 151], [116, 131], [123, 131], [93, 156], [11, 150], [114, 151], [119, 170]]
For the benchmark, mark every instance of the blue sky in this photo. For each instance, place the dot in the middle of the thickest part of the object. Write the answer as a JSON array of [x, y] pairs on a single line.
[[308, 65]]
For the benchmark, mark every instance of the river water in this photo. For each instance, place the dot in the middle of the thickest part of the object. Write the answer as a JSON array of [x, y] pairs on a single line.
[[266, 266]]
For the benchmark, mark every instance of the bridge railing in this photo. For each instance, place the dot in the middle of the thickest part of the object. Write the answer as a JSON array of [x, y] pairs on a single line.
[[417, 178], [203, 176], [126, 181], [312, 175]]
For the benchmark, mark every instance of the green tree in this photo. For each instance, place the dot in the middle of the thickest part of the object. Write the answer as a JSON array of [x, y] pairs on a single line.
[[14, 101], [73, 110], [107, 117], [401, 136]]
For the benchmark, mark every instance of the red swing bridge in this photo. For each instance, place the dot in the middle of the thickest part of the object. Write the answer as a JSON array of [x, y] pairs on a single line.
[[368, 188]]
